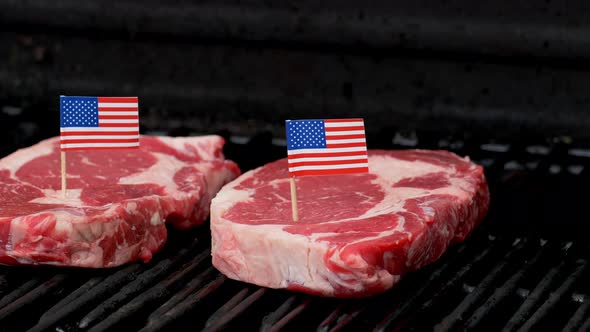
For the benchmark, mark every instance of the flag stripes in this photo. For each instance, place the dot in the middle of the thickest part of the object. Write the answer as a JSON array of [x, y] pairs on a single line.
[[326, 147], [99, 122]]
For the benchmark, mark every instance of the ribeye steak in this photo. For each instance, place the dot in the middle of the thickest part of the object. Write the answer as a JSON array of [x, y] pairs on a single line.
[[357, 234], [117, 200]]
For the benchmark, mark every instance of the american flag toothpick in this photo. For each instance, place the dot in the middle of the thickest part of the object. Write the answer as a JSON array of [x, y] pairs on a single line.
[[90, 123], [325, 147]]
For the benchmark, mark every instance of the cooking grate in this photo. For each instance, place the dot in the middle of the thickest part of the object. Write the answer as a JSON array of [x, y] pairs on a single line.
[[526, 266]]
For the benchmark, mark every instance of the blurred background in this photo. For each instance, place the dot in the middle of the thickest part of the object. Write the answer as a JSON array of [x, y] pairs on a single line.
[[509, 68]]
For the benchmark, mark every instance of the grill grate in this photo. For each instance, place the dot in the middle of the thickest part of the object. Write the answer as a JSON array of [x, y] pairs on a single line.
[[524, 267]]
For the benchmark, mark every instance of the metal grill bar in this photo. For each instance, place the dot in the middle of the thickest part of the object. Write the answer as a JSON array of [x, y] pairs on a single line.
[[184, 307], [271, 319], [108, 285], [457, 315], [554, 298], [144, 300], [135, 287], [534, 298], [419, 295], [71, 297], [453, 281], [578, 317], [346, 317], [20, 291], [3, 285], [503, 291], [189, 289], [34, 295], [343, 321], [298, 310], [586, 326], [234, 301], [237, 310], [458, 276], [333, 318]]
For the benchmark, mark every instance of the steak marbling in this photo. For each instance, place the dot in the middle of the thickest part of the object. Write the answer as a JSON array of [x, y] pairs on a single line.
[[357, 234], [117, 202]]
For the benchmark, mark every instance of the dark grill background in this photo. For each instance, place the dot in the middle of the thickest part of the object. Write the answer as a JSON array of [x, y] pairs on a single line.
[[507, 84]]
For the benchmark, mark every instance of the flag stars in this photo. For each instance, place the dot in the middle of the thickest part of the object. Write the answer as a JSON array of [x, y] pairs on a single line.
[[79, 112], [306, 134]]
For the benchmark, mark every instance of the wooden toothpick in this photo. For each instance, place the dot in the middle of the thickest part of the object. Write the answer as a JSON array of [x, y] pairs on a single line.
[[294, 200], [63, 175]]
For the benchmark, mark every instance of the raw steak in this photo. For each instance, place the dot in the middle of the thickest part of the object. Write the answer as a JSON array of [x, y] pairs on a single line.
[[117, 203], [357, 234]]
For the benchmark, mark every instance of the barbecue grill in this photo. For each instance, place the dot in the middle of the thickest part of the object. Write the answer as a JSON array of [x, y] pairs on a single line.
[[507, 90]]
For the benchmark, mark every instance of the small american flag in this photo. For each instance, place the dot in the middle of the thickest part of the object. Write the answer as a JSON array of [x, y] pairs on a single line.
[[326, 147], [88, 123]]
